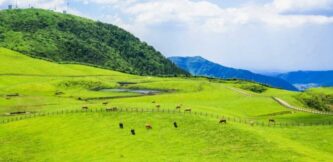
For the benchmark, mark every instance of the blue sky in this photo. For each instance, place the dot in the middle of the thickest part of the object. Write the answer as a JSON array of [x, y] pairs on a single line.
[[259, 35]]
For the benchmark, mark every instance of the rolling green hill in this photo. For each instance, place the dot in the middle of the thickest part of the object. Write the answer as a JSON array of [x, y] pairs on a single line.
[[67, 38], [42, 133]]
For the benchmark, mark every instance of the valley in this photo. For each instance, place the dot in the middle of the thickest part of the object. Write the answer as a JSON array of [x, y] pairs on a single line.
[[34, 86]]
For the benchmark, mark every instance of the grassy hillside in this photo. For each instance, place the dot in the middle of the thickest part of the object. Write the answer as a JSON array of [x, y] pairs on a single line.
[[68, 38], [95, 136]]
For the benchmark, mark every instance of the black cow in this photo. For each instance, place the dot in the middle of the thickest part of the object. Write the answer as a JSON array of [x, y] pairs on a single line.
[[175, 124], [223, 121], [132, 131]]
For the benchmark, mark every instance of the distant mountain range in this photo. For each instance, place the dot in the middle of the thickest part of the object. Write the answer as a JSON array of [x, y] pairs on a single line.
[[199, 66], [306, 79]]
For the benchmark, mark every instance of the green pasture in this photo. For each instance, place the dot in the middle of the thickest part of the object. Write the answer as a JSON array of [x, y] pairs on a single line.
[[96, 136]]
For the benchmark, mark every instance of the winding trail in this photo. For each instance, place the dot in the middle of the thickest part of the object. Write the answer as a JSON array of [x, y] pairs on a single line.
[[287, 105], [239, 91], [282, 102]]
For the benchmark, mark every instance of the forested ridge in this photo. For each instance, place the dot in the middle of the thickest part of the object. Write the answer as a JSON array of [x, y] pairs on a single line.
[[67, 38]]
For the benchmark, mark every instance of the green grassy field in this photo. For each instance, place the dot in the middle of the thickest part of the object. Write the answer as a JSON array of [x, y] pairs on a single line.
[[96, 136]]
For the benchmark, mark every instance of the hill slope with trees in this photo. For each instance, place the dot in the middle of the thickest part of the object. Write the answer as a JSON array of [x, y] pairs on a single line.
[[72, 39]]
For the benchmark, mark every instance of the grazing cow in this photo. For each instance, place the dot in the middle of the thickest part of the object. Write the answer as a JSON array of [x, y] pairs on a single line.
[[17, 112], [133, 131], [223, 121], [188, 110], [178, 106], [148, 126], [84, 107], [158, 106], [153, 102], [13, 95], [271, 121], [58, 93], [111, 109], [121, 125], [175, 124], [105, 103]]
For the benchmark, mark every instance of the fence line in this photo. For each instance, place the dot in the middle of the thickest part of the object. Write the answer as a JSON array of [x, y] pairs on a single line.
[[169, 111]]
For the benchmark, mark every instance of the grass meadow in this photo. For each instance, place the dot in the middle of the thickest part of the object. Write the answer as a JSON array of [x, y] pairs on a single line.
[[95, 136]]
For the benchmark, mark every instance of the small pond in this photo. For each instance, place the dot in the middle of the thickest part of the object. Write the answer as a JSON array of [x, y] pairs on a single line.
[[139, 91]]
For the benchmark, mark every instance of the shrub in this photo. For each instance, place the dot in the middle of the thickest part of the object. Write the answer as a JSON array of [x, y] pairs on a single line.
[[91, 85], [316, 101], [254, 88]]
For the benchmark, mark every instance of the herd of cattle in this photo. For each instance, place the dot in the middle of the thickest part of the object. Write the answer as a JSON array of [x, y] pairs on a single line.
[[178, 107], [149, 126]]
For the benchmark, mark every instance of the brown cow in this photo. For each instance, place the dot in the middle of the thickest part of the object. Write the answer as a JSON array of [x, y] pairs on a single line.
[[271, 121], [13, 95], [105, 103], [84, 107], [223, 121], [188, 110], [178, 106], [158, 106], [148, 126], [153, 102]]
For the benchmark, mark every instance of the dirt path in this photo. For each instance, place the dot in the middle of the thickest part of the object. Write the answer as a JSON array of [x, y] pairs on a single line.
[[239, 91], [281, 102], [287, 105]]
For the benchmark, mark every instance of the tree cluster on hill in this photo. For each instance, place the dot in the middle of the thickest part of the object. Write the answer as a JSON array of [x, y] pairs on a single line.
[[256, 88], [67, 38], [319, 101]]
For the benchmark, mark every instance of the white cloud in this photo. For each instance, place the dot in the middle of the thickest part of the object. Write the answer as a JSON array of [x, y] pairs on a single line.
[[172, 10], [205, 15], [287, 5], [200, 15], [113, 3]]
